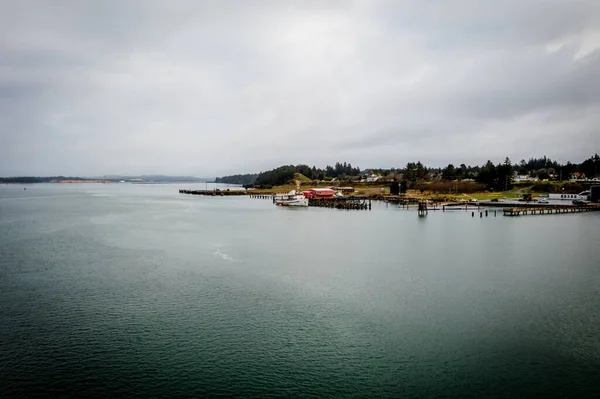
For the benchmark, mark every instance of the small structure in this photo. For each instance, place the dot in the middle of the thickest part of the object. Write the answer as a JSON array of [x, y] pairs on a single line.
[[422, 208]]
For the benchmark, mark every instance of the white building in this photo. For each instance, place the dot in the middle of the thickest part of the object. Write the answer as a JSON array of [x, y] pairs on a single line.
[[372, 178], [584, 196]]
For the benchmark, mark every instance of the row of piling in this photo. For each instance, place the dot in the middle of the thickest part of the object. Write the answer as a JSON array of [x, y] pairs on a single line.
[[482, 213], [341, 203]]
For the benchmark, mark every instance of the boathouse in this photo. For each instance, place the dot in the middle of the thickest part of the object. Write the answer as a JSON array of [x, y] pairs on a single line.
[[319, 193]]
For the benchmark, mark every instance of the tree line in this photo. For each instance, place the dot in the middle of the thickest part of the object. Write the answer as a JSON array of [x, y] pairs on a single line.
[[238, 179], [283, 174], [498, 176]]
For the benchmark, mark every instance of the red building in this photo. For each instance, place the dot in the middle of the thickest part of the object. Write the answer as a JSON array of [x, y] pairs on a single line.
[[319, 193]]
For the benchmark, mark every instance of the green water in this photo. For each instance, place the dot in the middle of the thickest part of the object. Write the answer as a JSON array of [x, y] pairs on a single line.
[[123, 290]]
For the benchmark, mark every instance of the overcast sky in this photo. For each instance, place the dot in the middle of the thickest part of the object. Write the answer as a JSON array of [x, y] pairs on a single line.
[[209, 88]]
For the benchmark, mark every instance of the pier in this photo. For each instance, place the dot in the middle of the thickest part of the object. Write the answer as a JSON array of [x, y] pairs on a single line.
[[539, 210], [221, 193], [356, 203]]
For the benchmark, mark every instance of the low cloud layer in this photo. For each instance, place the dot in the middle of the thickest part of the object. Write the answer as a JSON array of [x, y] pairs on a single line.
[[216, 87]]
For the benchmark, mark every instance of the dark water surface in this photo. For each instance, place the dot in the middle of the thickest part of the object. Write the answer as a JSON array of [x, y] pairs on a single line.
[[123, 290]]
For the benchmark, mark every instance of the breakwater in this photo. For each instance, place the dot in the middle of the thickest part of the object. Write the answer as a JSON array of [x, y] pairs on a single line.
[[217, 192]]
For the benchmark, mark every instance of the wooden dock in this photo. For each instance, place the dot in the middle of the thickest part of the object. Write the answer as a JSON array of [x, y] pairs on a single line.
[[542, 210], [221, 193], [356, 203]]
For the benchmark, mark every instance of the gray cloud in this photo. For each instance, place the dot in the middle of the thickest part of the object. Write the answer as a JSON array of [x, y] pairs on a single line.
[[210, 88]]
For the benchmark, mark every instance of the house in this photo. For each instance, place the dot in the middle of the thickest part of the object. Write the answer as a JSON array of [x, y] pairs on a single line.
[[372, 178], [524, 178], [577, 176]]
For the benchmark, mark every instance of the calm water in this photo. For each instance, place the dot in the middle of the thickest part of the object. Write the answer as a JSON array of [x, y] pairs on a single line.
[[137, 291]]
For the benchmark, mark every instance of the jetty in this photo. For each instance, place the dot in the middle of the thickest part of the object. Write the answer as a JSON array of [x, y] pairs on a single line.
[[355, 203], [227, 192], [350, 203], [549, 210]]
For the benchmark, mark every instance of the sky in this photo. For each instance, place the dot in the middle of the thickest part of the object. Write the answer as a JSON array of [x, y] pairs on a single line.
[[209, 88]]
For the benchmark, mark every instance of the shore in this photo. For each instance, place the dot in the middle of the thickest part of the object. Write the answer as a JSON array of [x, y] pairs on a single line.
[[373, 192]]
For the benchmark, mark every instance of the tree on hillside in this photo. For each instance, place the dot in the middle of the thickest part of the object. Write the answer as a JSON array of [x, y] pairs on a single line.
[[504, 175], [591, 166], [487, 175], [449, 173], [414, 173], [277, 176]]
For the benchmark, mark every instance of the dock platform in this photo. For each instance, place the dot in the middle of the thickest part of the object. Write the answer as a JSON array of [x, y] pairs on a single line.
[[357, 203], [549, 210]]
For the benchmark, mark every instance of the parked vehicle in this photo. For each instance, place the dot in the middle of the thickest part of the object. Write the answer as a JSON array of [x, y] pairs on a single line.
[[579, 202]]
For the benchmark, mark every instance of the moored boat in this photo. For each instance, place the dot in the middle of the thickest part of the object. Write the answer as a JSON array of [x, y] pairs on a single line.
[[291, 199]]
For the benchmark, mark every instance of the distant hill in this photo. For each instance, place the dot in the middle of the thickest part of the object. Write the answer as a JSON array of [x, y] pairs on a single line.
[[143, 178], [159, 178]]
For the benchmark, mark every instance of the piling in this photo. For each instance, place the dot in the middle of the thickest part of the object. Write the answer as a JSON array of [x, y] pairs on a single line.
[[548, 210]]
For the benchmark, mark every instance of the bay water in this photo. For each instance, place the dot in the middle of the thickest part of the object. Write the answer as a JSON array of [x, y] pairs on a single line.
[[135, 290]]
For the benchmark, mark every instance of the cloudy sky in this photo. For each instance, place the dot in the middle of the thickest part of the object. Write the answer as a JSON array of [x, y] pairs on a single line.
[[216, 87]]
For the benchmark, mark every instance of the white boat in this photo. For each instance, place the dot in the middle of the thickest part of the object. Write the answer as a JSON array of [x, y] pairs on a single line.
[[291, 199]]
